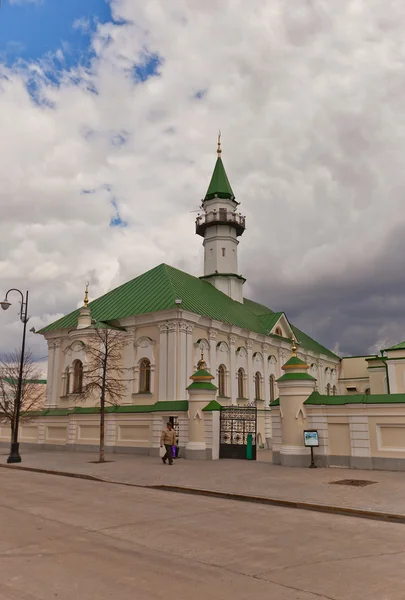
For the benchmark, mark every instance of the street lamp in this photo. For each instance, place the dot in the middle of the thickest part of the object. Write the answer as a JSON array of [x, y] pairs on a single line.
[[14, 451]]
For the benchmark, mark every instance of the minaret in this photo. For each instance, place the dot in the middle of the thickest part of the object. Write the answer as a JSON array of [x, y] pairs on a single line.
[[220, 226]]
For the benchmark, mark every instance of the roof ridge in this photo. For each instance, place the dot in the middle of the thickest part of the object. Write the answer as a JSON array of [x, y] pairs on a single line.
[[166, 270]]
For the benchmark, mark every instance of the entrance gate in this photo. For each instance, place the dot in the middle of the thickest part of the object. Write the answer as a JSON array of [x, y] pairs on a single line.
[[236, 422]]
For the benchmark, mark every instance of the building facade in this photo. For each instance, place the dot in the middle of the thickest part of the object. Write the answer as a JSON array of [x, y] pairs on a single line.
[[168, 319]]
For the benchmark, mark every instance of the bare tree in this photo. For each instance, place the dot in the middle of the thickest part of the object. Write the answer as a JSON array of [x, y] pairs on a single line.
[[103, 374], [32, 391]]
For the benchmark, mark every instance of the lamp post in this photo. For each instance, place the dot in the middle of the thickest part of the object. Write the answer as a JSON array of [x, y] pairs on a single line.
[[14, 451]]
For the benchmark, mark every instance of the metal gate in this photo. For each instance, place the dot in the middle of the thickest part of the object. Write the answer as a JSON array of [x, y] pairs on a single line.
[[236, 422]]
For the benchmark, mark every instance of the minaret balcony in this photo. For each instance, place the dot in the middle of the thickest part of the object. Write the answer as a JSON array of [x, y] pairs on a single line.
[[220, 217]]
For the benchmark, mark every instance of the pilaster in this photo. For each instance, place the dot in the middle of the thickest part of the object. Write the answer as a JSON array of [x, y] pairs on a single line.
[[360, 443], [56, 375], [50, 375], [232, 366], [189, 351], [251, 385], [212, 336], [266, 375], [163, 329], [171, 360], [182, 382]]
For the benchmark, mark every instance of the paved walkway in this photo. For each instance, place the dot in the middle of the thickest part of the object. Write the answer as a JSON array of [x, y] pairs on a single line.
[[68, 539], [261, 478]]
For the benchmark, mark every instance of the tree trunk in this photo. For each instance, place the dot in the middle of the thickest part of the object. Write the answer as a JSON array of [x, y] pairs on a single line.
[[101, 457], [102, 411]]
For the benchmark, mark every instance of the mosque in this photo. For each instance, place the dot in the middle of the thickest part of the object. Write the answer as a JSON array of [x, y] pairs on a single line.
[[169, 318]]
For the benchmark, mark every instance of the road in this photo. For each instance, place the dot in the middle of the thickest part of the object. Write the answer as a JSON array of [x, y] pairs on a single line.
[[71, 539]]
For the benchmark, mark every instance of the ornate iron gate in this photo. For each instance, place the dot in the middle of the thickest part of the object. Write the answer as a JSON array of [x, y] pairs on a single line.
[[236, 422]]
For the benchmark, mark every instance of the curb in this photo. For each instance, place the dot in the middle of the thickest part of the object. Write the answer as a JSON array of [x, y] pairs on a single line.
[[322, 508]]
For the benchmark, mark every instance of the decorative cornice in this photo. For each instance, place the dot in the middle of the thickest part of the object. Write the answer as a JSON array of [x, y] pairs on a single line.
[[184, 326], [167, 326], [249, 344], [232, 340], [266, 348], [212, 334]]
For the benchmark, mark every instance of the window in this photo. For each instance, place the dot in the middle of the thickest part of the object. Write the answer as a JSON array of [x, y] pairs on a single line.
[[278, 331], [272, 380], [222, 214], [223, 251], [258, 380], [367, 391], [334, 390], [328, 389], [77, 377], [221, 381], [67, 381], [241, 383], [144, 376]]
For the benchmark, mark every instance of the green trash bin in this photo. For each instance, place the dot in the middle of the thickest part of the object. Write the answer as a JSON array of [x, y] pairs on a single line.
[[249, 447]]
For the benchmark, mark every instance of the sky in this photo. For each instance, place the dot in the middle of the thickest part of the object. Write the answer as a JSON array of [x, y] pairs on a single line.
[[109, 113]]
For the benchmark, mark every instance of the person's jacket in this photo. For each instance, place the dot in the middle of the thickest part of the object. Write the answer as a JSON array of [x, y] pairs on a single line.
[[168, 437]]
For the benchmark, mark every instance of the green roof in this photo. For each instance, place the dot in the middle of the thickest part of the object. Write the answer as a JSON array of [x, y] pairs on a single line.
[[275, 402], [317, 398], [202, 385], [161, 406], [213, 405], [400, 346], [219, 184], [202, 373], [294, 361], [295, 376], [157, 290]]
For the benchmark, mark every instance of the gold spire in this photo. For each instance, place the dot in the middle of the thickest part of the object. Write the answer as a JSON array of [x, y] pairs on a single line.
[[293, 345], [86, 296], [201, 363], [219, 144]]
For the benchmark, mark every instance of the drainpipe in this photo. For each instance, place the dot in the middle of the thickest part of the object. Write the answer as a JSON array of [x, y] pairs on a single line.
[[386, 371]]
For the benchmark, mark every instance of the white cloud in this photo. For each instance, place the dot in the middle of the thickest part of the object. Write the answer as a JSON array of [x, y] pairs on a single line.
[[308, 96]]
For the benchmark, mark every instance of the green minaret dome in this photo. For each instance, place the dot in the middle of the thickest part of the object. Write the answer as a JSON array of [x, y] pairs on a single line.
[[219, 186]]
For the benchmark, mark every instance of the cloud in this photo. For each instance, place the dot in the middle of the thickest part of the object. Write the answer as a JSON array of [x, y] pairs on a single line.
[[308, 96]]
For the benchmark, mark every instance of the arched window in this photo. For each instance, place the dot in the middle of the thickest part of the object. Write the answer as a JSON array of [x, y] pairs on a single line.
[[77, 377], [272, 380], [278, 331], [144, 376], [258, 381], [241, 383], [221, 381], [328, 389], [334, 390], [67, 381]]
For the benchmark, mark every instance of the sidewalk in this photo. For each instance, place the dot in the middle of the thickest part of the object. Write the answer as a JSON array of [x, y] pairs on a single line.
[[254, 478]]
